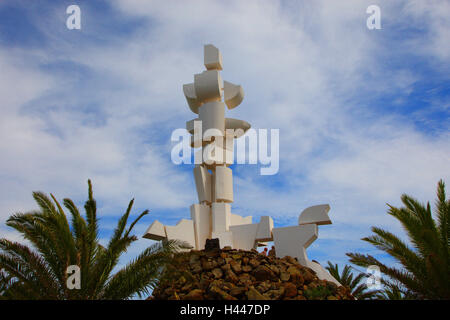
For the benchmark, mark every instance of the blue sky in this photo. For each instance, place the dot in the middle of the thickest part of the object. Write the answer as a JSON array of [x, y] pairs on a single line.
[[363, 114]]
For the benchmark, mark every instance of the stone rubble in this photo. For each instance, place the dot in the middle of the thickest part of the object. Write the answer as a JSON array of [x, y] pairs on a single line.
[[230, 274]]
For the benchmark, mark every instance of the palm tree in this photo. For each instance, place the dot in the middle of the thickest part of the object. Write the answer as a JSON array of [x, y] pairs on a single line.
[[425, 260], [358, 289], [40, 272]]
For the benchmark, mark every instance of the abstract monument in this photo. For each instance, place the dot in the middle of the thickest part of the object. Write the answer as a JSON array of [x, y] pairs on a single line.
[[212, 218]]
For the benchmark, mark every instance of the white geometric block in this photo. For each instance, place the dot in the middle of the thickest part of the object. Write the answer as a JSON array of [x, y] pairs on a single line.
[[197, 141], [229, 149], [224, 184], [244, 236], [212, 57], [221, 216], [225, 238], [198, 156], [204, 155], [212, 154], [315, 214], [184, 230], [238, 220], [233, 94], [227, 157], [293, 241], [203, 184], [239, 127], [212, 115], [191, 97], [321, 272], [229, 141], [265, 227], [208, 86], [201, 216], [194, 127], [156, 231]]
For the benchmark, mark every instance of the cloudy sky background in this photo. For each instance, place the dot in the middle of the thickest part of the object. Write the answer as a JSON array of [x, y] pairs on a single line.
[[363, 114]]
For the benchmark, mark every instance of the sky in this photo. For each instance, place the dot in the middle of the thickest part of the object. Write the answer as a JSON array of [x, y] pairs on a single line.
[[363, 115]]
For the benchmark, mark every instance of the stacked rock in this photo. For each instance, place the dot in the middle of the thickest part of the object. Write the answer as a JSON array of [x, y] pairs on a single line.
[[229, 274]]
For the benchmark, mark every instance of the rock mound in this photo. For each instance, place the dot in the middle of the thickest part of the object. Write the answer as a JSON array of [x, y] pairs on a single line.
[[229, 274]]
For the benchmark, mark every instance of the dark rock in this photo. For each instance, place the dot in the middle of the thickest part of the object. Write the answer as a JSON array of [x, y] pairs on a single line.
[[226, 267], [217, 273], [254, 263], [293, 270], [297, 279], [195, 294], [245, 279], [194, 258], [246, 268], [263, 286], [308, 276], [207, 265], [253, 294], [290, 260], [274, 268], [221, 294], [290, 290], [275, 294], [212, 245], [187, 287], [262, 273], [231, 277], [197, 268], [236, 267], [237, 291], [285, 276]]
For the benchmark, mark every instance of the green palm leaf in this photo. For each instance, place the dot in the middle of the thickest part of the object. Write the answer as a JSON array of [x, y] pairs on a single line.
[[425, 261]]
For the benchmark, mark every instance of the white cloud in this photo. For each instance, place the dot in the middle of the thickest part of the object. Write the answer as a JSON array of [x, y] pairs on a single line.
[[432, 18]]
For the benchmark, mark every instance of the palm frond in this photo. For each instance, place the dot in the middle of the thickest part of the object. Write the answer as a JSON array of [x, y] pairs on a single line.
[[40, 273]]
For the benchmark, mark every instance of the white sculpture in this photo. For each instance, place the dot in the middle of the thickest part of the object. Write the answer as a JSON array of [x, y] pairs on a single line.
[[212, 217]]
